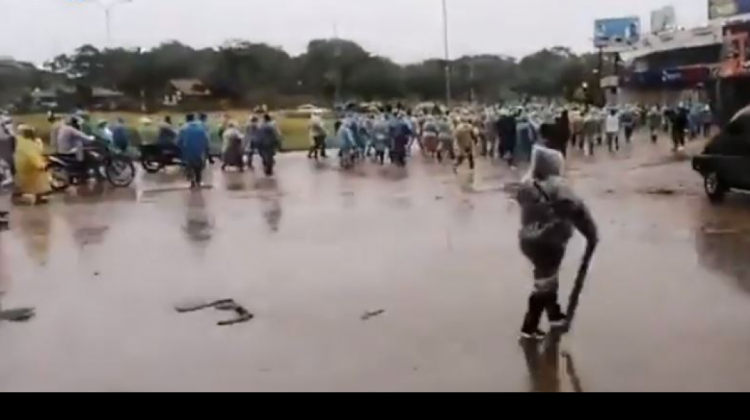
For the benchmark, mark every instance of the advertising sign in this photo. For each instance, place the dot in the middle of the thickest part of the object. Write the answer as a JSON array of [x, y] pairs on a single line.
[[617, 34], [736, 54], [663, 20], [722, 9]]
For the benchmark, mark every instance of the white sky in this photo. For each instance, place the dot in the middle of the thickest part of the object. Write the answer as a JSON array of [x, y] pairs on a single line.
[[404, 30]]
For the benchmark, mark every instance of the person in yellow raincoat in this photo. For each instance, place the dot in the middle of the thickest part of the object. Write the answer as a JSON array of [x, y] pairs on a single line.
[[32, 180]]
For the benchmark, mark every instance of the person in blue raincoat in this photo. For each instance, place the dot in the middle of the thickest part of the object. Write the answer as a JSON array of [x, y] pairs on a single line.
[[194, 143], [381, 134], [269, 142], [120, 135], [526, 137], [347, 142]]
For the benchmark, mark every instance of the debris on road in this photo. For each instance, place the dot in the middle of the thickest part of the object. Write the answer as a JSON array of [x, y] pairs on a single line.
[[18, 315], [242, 314], [369, 315]]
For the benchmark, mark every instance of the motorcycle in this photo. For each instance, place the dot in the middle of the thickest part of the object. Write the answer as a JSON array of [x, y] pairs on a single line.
[[155, 157], [100, 161]]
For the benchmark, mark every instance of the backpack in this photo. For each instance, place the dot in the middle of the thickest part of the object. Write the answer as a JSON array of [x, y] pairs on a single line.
[[545, 223]]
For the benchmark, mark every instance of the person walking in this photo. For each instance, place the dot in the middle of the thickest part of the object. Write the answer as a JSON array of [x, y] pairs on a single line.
[[465, 139], [252, 134], [32, 180], [318, 135], [591, 130], [562, 132], [679, 126], [627, 120], [194, 143], [232, 147], [550, 213], [655, 118], [445, 139], [612, 129], [7, 150]]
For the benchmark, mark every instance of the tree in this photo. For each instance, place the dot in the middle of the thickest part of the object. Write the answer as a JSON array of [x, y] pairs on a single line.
[[329, 70]]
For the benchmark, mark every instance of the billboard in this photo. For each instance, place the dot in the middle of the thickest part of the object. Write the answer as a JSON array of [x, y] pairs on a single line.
[[663, 20], [722, 9], [617, 34]]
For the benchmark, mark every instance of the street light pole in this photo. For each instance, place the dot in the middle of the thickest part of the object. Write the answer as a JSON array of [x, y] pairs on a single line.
[[108, 8], [446, 42]]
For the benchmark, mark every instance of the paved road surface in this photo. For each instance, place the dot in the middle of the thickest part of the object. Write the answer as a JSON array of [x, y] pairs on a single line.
[[666, 307]]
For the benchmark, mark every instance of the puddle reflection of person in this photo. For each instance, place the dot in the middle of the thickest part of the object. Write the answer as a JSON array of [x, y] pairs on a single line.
[[543, 362], [35, 224], [13, 315], [198, 225]]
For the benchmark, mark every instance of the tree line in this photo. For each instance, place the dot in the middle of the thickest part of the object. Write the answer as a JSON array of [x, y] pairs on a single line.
[[332, 70]]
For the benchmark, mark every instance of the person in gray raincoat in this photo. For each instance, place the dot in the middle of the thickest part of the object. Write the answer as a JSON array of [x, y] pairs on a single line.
[[550, 212], [7, 150]]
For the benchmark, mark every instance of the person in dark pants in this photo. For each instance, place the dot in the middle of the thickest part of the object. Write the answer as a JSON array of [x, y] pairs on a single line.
[[465, 140], [550, 212], [7, 169], [562, 133], [194, 143], [318, 134], [507, 130], [679, 126]]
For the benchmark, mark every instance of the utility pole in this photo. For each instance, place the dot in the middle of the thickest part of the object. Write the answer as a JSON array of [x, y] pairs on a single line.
[[108, 9], [446, 45]]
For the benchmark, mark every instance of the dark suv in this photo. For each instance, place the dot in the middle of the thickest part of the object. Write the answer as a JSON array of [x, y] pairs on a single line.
[[725, 163]]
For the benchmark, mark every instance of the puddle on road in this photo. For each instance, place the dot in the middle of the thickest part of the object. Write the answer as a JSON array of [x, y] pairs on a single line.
[[722, 242]]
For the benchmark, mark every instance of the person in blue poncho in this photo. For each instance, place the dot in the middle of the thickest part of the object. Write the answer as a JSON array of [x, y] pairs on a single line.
[[120, 135], [347, 143], [193, 141]]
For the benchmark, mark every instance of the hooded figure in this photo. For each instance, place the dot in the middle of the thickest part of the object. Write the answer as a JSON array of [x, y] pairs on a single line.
[[7, 150], [194, 144], [32, 179], [550, 212], [232, 147]]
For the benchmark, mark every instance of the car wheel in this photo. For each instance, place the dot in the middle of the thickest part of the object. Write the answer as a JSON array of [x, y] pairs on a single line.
[[715, 188]]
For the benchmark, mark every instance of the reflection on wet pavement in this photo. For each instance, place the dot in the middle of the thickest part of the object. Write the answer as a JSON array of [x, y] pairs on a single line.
[[35, 226], [198, 224], [723, 241], [543, 363], [313, 248]]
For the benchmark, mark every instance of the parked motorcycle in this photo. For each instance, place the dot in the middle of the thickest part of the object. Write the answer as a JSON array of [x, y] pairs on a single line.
[[100, 162], [155, 157]]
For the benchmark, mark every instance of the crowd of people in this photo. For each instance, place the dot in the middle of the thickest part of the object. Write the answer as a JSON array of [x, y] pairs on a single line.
[[24, 176], [380, 133], [505, 132]]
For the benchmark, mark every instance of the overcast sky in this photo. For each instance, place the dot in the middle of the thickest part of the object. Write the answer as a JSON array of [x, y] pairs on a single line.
[[404, 30]]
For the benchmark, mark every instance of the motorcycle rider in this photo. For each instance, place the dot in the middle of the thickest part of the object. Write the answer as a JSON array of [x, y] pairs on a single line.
[[72, 141]]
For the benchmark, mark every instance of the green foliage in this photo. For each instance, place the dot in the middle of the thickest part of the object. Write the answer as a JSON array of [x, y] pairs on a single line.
[[242, 73]]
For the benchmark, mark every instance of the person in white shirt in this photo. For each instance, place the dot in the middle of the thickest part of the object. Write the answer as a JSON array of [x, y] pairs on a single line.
[[612, 128]]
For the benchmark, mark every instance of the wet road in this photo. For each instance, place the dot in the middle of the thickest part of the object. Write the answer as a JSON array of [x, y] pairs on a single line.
[[431, 257]]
